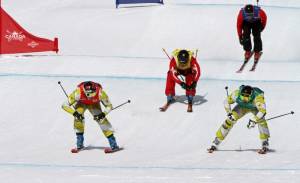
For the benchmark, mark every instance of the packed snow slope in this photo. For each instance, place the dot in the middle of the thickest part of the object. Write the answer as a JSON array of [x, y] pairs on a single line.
[[122, 49]]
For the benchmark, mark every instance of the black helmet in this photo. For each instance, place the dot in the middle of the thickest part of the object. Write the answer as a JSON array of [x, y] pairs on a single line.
[[246, 91], [249, 9], [89, 88], [183, 56]]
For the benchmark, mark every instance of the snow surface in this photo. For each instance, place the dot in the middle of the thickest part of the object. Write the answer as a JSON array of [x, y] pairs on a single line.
[[122, 49]]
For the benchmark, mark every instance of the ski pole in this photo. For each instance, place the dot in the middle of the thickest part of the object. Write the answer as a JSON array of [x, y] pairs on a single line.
[[101, 120], [182, 79], [62, 88], [128, 101], [252, 123], [292, 112], [196, 53], [166, 54]]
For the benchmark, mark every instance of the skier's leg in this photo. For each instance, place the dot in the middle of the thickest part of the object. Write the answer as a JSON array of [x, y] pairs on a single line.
[[190, 93], [170, 88], [227, 125], [79, 127], [264, 132], [256, 31], [105, 125], [247, 45]]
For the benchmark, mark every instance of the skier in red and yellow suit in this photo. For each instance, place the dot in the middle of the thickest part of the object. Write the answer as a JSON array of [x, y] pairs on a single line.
[[88, 96], [184, 64]]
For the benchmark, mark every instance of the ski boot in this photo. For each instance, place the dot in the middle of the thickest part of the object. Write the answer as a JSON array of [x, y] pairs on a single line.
[[265, 147], [257, 56], [170, 100], [214, 146], [113, 145], [190, 103], [248, 55], [79, 143]]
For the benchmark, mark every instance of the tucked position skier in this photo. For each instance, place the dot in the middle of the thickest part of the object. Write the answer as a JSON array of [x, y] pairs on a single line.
[[248, 100], [88, 95], [251, 19], [184, 64]]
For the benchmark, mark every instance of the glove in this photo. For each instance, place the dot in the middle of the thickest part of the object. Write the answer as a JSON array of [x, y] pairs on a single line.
[[183, 85], [251, 124], [99, 116], [241, 39], [230, 116], [193, 85], [78, 116]]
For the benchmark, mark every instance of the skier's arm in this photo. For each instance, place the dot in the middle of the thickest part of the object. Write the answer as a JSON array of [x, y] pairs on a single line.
[[261, 107], [230, 100], [67, 106], [196, 69], [263, 18], [239, 24], [106, 102], [173, 71]]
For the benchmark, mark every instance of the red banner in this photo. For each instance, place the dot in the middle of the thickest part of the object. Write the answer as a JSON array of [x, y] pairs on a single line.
[[15, 39]]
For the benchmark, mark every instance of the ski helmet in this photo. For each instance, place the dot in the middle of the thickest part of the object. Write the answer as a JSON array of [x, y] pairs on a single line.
[[249, 9], [246, 93], [183, 56], [89, 88]]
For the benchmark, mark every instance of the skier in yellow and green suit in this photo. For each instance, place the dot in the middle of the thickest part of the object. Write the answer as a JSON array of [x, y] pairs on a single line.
[[87, 96], [248, 100]]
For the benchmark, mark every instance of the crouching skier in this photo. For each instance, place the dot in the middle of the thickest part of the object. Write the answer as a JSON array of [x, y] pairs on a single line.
[[87, 96], [248, 100]]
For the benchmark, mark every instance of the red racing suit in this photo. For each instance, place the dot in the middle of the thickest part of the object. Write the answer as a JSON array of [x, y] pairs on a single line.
[[191, 71], [259, 14]]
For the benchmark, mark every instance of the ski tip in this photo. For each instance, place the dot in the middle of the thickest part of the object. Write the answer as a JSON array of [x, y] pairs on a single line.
[[161, 109], [109, 150]]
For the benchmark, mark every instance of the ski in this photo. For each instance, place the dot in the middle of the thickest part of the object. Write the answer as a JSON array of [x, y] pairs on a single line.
[[255, 62], [264, 150], [76, 150], [245, 63], [164, 107], [167, 105], [109, 150]]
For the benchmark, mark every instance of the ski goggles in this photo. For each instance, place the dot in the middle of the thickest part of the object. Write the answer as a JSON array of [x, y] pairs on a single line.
[[245, 97]]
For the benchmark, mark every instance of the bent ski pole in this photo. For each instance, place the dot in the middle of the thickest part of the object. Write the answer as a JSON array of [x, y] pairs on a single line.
[[252, 123]]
